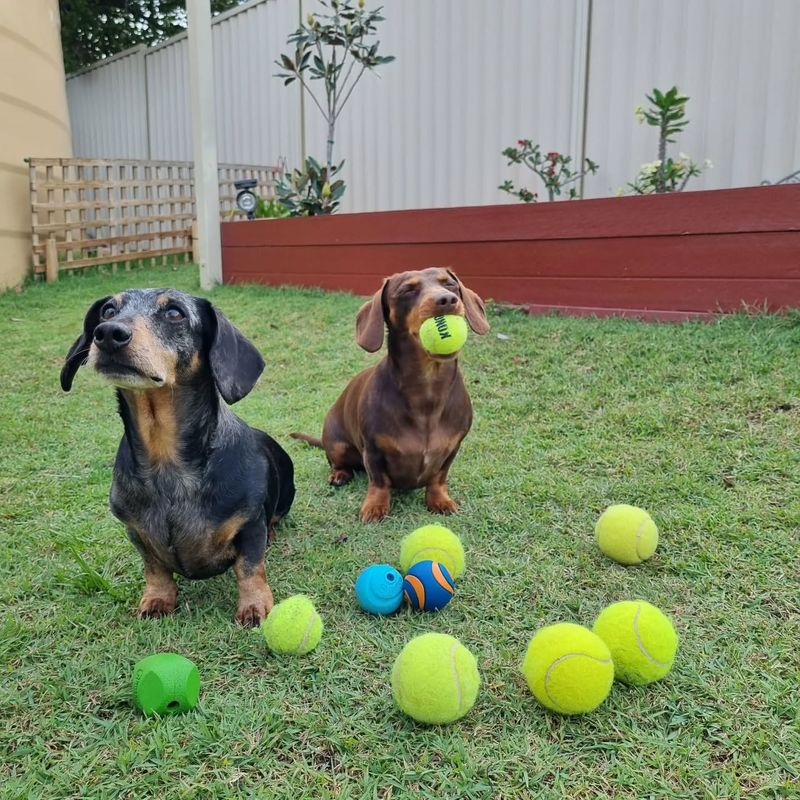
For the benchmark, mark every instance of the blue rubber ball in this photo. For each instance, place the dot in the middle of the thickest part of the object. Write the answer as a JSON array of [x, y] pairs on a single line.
[[379, 589], [428, 586]]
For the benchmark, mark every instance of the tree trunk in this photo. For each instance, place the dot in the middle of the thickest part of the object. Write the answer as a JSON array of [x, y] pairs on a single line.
[[329, 151], [661, 183]]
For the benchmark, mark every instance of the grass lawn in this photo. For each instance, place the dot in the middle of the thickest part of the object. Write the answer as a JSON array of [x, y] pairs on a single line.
[[699, 423]]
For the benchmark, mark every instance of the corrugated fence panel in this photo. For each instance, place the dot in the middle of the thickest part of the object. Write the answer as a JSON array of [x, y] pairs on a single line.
[[738, 60], [258, 120], [169, 102], [471, 77], [108, 109]]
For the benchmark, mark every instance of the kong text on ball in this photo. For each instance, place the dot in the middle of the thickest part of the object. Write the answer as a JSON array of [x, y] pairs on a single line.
[[443, 335]]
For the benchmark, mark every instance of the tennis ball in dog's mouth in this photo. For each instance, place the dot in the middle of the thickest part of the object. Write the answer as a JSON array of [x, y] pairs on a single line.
[[641, 638], [435, 679], [443, 335], [293, 626], [627, 534], [568, 668]]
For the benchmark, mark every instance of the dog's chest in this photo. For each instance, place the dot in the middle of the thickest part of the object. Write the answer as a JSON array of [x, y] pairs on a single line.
[[169, 521], [417, 455]]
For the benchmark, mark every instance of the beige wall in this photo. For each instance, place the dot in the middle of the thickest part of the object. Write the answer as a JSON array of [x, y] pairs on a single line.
[[33, 119]]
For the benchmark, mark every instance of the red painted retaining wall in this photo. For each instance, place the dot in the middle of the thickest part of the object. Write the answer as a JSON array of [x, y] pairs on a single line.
[[659, 257]]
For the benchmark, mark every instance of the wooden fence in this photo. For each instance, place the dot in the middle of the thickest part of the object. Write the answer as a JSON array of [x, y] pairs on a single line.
[[86, 212], [667, 257]]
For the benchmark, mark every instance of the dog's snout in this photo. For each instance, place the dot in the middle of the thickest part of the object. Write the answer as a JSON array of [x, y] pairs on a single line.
[[446, 301], [112, 336]]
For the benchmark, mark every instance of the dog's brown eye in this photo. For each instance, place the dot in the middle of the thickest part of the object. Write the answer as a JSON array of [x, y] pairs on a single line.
[[109, 312], [174, 314], [409, 288]]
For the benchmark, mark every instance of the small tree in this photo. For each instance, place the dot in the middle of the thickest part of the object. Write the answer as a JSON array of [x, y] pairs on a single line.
[[554, 168], [667, 112], [336, 49]]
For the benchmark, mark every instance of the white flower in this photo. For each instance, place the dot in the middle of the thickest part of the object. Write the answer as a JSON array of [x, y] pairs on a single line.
[[684, 157], [619, 192], [638, 112], [707, 164], [650, 168]]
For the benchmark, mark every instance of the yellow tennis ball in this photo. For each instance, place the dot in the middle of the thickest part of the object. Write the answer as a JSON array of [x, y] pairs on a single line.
[[433, 543], [568, 668], [435, 679], [293, 626], [627, 534], [641, 638], [443, 335]]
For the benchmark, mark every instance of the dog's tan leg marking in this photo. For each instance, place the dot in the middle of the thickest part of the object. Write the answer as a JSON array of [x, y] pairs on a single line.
[[255, 596], [160, 591]]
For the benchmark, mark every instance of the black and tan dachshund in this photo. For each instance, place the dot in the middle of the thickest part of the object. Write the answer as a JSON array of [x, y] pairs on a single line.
[[198, 490], [404, 419]]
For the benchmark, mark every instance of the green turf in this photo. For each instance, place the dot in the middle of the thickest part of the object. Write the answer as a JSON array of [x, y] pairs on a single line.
[[699, 423]]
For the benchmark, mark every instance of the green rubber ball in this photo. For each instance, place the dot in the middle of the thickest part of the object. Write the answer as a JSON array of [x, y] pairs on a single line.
[[165, 683]]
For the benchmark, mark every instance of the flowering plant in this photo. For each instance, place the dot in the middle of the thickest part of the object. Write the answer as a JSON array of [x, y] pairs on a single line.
[[332, 50], [667, 112], [554, 169]]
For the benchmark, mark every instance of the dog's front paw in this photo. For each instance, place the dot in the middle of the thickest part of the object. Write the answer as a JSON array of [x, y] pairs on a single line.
[[374, 511], [252, 614], [376, 504], [339, 477], [154, 607], [440, 502]]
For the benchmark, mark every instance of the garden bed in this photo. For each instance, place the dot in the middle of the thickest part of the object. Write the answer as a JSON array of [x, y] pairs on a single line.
[[667, 257]]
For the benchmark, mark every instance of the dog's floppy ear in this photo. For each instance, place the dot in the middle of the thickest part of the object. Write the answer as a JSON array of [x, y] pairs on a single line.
[[474, 310], [370, 322], [79, 352], [235, 363]]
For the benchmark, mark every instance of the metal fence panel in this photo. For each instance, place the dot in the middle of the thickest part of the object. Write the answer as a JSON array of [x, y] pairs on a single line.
[[169, 102], [258, 120], [108, 108], [738, 60], [471, 77]]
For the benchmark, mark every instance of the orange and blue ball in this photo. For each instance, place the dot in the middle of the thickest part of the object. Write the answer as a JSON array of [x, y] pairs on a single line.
[[379, 589], [428, 586]]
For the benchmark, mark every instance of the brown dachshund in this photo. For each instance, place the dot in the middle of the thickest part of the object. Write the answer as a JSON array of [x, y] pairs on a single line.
[[404, 419]]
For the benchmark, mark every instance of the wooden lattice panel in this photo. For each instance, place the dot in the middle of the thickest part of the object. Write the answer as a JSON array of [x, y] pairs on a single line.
[[87, 212]]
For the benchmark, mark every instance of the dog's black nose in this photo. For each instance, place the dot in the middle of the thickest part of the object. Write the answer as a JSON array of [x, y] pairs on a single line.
[[111, 336], [446, 301]]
